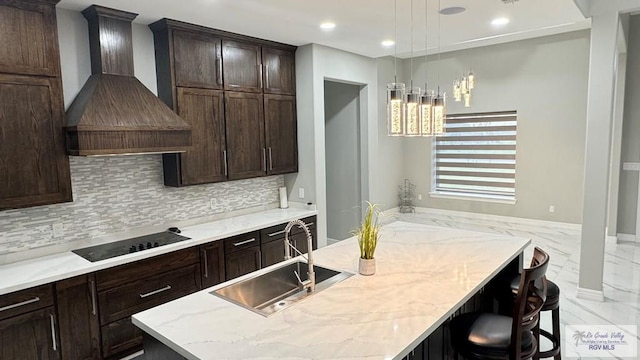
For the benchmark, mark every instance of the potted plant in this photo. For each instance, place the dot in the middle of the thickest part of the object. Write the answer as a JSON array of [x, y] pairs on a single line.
[[368, 234]]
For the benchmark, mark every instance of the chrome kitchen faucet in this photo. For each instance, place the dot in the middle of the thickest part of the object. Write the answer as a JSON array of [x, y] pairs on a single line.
[[310, 284]]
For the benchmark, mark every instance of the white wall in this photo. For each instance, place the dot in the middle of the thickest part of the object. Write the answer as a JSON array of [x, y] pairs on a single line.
[[314, 65], [342, 154], [545, 80]]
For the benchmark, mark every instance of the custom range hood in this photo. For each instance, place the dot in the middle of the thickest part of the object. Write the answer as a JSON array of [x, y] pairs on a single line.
[[115, 113]]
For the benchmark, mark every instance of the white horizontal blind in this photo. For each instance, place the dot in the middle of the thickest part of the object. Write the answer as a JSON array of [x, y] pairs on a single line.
[[477, 155]]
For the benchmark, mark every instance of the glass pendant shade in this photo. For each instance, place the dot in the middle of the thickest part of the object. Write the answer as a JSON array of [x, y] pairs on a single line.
[[412, 112], [464, 85], [395, 121], [426, 113], [467, 99], [457, 90], [471, 79], [439, 114]]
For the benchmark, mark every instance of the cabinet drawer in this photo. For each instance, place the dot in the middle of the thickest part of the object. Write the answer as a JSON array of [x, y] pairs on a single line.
[[277, 232], [24, 301], [120, 336], [241, 242], [126, 300], [124, 274]]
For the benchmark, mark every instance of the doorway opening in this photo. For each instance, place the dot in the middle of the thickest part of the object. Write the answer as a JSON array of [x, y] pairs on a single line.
[[342, 159]]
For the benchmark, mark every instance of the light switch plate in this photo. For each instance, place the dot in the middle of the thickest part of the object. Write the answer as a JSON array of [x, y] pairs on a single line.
[[301, 193]]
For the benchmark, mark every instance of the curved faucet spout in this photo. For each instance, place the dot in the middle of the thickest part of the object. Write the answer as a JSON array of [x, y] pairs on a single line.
[[309, 284]]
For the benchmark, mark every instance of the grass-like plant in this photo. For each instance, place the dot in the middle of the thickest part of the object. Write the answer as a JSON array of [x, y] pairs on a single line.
[[368, 232]]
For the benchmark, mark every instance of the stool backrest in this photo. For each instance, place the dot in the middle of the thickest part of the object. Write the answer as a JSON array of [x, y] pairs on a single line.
[[532, 293]]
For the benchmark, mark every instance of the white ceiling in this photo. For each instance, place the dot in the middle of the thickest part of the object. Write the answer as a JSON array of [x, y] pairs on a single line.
[[362, 24]]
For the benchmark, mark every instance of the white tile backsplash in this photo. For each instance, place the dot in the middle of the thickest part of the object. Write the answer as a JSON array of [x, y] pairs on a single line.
[[115, 194]]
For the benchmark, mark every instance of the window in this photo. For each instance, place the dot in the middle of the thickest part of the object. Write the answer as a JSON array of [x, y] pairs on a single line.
[[476, 157]]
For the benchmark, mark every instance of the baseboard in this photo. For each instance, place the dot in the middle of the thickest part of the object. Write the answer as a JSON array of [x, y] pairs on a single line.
[[626, 237], [569, 226], [588, 294], [611, 240]]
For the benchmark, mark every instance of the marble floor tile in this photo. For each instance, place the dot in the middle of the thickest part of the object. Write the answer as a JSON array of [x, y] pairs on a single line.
[[621, 281]]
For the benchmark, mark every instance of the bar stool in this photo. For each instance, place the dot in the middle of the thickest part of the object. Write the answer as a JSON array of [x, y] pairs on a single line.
[[551, 304], [498, 337]]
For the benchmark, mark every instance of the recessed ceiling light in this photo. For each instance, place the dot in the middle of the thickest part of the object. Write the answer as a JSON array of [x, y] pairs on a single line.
[[387, 43], [499, 21], [327, 25], [452, 10]]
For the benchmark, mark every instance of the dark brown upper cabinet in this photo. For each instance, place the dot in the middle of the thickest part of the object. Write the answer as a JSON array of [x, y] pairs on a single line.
[[246, 152], [280, 134], [242, 66], [279, 71], [206, 163], [29, 38], [197, 60], [34, 167]]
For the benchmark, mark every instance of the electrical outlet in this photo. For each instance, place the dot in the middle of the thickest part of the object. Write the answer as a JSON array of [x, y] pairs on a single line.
[[552, 209], [301, 193], [58, 230], [212, 204], [420, 197]]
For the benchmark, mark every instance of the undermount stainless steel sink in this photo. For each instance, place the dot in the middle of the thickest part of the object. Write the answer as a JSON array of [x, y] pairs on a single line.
[[278, 289]]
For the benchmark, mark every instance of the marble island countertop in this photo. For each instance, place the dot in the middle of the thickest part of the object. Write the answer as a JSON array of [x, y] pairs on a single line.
[[423, 275], [42, 270]]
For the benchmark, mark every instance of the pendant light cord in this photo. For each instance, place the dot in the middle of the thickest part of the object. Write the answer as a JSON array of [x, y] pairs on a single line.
[[395, 42], [439, 64], [426, 41], [411, 86]]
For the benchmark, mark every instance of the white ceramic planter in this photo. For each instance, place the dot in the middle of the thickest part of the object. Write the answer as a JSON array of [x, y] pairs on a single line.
[[367, 266]]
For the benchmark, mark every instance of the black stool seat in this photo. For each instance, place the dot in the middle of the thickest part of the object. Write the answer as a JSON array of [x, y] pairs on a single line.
[[486, 336]]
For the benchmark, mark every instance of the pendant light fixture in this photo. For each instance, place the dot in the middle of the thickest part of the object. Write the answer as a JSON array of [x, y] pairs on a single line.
[[426, 99], [412, 99], [439, 102], [395, 91]]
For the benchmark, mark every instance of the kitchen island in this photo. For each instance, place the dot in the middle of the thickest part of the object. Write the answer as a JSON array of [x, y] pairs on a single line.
[[423, 275]]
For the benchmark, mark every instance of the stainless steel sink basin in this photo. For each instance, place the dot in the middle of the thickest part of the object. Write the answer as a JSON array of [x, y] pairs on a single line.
[[278, 289]]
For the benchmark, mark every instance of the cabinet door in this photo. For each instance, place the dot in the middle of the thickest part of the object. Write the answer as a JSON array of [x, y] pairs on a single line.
[[197, 60], [242, 262], [246, 153], [205, 163], [78, 318], [272, 252], [29, 38], [212, 263], [279, 73], [34, 167], [281, 134], [242, 66], [31, 336]]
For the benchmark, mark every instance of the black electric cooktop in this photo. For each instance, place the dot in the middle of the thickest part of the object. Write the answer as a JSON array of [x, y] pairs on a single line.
[[128, 246]]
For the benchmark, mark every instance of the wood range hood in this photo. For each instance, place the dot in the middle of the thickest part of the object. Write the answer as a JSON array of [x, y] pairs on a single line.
[[114, 113]]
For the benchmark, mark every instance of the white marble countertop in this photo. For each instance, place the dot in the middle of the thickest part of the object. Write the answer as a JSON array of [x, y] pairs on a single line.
[[423, 275], [38, 271]]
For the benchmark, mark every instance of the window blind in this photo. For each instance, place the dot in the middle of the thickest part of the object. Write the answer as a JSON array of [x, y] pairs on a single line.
[[477, 155]]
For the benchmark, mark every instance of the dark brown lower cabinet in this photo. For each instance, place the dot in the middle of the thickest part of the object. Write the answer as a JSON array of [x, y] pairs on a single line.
[[272, 252], [212, 263], [31, 336], [243, 262], [78, 318]]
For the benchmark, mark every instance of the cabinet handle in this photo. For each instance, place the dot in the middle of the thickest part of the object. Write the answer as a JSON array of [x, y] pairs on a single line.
[[53, 333], [244, 242], [270, 160], [206, 263], [260, 71], [9, 307], [276, 233], [264, 159], [266, 75], [226, 168], [94, 306], [219, 72], [259, 259], [168, 287]]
